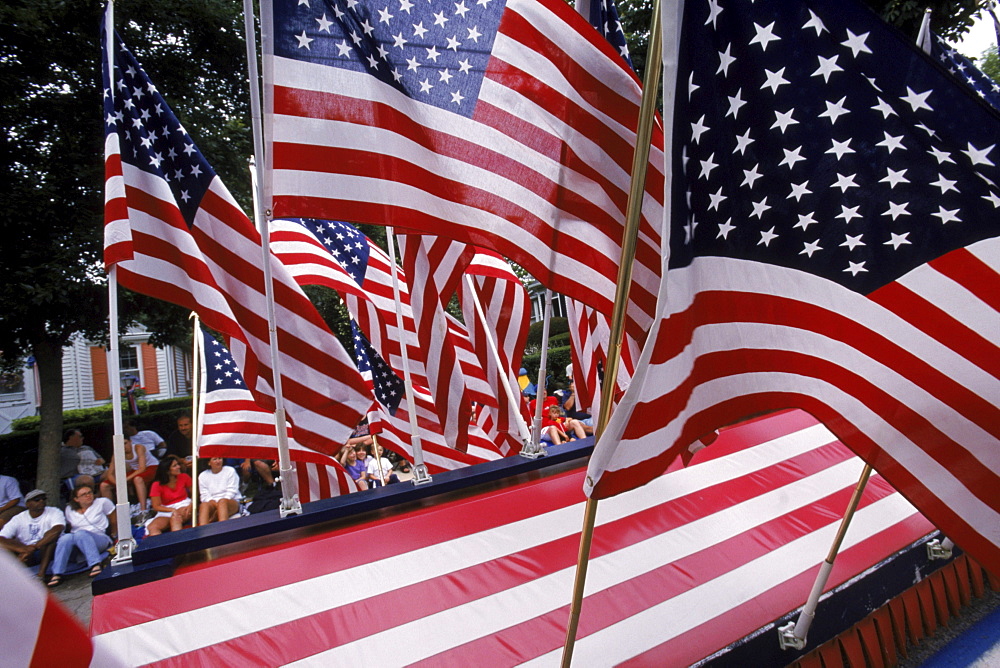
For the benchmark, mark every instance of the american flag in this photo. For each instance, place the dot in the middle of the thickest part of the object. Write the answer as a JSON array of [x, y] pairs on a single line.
[[962, 67], [175, 233], [507, 125], [338, 255], [833, 246], [507, 309], [390, 418], [603, 15], [233, 425], [434, 267]]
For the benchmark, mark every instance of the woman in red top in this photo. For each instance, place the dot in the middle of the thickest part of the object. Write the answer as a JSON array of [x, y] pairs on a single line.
[[170, 496]]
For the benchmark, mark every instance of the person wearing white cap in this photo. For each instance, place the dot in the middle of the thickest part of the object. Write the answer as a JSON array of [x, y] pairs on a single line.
[[31, 536]]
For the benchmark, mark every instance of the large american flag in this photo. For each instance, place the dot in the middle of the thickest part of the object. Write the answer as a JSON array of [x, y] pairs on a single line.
[[390, 417], [338, 255], [434, 267], [833, 246], [507, 125], [233, 425], [176, 233], [507, 310]]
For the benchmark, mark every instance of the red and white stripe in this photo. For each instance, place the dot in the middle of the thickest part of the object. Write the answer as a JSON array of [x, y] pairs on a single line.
[[908, 376], [507, 308], [590, 332], [372, 304], [680, 569], [215, 268], [539, 174], [37, 630], [434, 267]]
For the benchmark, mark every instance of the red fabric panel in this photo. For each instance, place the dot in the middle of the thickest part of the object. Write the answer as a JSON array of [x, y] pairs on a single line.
[[936, 584], [850, 643], [914, 618], [949, 582], [882, 619], [993, 580], [961, 568], [61, 640], [831, 655], [976, 573], [897, 617], [926, 598], [811, 660], [871, 642]]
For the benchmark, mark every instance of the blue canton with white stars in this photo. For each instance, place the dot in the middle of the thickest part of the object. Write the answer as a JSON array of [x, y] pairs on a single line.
[[433, 52], [813, 136], [962, 67], [220, 370], [151, 138], [387, 386], [346, 243]]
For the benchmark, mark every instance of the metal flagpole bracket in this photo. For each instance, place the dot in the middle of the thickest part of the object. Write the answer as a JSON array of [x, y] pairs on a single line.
[[420, 475], [940, 549], [533, 450], [787, 638], [123, 551], [289, 505]]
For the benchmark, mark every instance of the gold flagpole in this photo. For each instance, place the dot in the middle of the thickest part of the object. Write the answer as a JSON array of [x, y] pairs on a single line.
[[640, 161]]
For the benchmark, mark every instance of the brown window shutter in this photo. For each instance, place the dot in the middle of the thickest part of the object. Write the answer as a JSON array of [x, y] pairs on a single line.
[[99, 373], [149, 371]]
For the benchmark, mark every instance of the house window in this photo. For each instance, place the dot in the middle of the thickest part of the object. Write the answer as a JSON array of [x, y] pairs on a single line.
[[128, 363], [12, 383]]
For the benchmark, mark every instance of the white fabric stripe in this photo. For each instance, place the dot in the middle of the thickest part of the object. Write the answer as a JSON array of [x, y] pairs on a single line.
[[955, 300], [467, 622], [688, 610], [21, 614], [151, 641]]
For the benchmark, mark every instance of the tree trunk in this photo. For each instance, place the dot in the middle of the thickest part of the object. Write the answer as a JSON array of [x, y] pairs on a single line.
[[48, 357]]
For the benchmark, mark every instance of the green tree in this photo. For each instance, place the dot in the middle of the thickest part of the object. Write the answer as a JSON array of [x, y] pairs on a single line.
[[51, 154], [989, 63]]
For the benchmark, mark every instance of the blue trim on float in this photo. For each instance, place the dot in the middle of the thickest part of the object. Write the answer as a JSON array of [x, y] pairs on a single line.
[[838, 611], [155, 557]]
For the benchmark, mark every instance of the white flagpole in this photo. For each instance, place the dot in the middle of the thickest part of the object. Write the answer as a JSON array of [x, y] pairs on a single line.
[[126, 544], [290, 504], [534, 449], [420, 474], [515, 405], [197, 353], [924, 35]]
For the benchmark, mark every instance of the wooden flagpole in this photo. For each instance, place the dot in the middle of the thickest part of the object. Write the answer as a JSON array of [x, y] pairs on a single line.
[[640, 161], [793, 634]]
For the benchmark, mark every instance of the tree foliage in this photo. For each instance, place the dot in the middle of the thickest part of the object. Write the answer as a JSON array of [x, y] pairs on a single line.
[[51, 154]]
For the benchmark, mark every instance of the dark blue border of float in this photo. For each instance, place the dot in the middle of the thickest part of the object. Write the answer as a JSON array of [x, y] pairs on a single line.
[[838, 611], [156, 557]]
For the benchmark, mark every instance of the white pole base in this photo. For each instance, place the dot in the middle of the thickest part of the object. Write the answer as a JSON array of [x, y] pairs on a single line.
[[123, 551], [290, 506], [787, 638], [533, 450], [937, 549], [420, 475]]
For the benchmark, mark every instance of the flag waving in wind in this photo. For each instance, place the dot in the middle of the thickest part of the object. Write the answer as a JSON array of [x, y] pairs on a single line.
[[506, 124], [233, 425], [834, 245], [175, 233]]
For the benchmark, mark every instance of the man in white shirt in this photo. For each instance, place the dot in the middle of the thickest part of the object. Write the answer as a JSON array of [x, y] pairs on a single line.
[[380, 469], [31, 536], [149, 438]]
